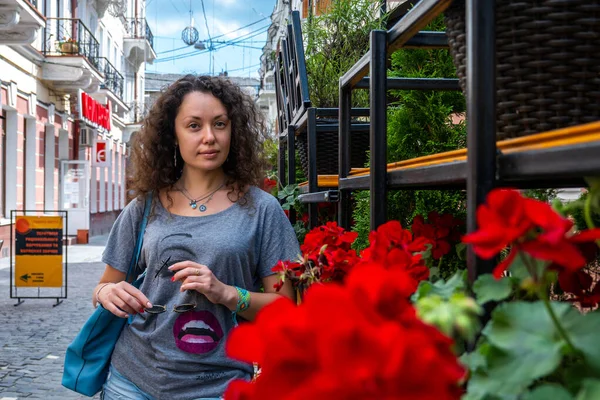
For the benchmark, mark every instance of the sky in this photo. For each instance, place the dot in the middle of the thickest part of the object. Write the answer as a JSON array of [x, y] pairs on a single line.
[[237, 26]]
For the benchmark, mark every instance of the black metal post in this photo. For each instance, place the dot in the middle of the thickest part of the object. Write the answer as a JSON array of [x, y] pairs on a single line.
[[281, 162], [311, 144], [378, 134], [481, 117], [291, 166], [344, 143]]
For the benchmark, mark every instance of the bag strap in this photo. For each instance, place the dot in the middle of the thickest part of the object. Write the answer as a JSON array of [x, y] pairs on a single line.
[[138, 244]]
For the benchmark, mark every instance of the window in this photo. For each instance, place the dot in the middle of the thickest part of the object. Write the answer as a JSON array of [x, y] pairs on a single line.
[[108, 47]]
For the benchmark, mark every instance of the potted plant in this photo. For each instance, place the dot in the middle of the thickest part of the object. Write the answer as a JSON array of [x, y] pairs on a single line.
[[68, 46]]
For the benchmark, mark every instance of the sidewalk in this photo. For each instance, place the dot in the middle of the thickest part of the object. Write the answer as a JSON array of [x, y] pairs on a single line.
[[77, 253], [35, 335]]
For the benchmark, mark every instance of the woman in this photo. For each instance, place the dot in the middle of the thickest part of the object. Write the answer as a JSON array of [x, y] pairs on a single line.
[[209, 246]]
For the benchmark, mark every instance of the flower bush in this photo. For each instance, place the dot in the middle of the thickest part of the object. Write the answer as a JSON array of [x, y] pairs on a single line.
[[379, 324], [358, 341]]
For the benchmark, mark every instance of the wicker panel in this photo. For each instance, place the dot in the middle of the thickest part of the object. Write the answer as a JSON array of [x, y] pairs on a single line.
[[327, 151], [547, 62]]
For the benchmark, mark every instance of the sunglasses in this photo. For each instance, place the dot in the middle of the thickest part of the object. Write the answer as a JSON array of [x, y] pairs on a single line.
[[159, 308]]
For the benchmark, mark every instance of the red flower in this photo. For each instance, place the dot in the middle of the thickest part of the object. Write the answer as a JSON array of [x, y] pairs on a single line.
[[358, 341], [577, 281], [268, 185], [338, 263], [439, 232], [394, 248], [327, 257], [527, 225], [502, 220], [304, 218], [329, 234], [388, 236], [590, 298]]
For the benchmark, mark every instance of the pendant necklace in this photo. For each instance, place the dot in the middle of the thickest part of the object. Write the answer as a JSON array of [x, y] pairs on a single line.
[[194, 202]]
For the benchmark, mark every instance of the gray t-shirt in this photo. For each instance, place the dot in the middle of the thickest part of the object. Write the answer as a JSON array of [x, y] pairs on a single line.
[[182, 356]]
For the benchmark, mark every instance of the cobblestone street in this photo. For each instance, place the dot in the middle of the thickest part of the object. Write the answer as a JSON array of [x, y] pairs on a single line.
[[35, 335]]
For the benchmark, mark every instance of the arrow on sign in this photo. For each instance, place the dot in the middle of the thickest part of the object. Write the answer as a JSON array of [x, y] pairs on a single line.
[[25, 277]]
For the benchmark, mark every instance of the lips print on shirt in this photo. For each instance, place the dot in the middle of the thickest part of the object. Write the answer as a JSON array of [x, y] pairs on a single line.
[[197, 332]]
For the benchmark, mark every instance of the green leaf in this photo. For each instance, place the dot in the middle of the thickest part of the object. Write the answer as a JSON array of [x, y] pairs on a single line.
[[489, 384], [590, 390], [476, 359], [548, 391], [583, 331], [461, 251], [518, 268], [426, 254], [529, 345], [487, 288], [282, 194], [442, 288], [434, 274]]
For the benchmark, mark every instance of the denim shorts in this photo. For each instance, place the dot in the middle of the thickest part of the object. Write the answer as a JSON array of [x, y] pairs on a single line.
[[117, 387]]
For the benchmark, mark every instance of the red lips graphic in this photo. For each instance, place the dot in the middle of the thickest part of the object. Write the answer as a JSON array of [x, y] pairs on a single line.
[[197, 332]]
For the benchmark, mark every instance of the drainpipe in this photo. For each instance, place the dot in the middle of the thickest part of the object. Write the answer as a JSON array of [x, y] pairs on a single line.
[[135, 73]]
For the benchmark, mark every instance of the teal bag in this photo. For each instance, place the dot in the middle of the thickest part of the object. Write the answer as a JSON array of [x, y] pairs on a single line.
[[88, 357]]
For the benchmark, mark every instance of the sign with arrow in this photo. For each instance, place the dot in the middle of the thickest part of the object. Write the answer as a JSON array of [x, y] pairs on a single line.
[[38, 251]]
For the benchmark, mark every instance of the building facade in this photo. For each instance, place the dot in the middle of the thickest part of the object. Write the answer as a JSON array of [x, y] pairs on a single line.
[[72, 87], [156, 83]]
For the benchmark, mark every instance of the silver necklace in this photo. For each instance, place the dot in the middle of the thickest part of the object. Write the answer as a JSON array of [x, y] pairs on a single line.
[[194, 202]]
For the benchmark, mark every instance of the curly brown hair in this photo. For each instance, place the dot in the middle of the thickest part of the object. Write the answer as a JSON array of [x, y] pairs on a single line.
[[153, 166]]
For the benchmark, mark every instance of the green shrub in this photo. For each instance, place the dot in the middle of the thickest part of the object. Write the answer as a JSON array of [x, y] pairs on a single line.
[[335, 41]]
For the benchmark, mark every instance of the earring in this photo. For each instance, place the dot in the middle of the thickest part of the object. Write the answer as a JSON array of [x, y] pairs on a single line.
[[175, 156]]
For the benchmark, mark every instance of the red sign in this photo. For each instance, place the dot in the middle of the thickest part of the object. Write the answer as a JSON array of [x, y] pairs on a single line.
[[101, 154], [93, 112]]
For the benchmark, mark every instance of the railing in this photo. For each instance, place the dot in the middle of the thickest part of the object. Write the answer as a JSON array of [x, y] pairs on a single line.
[[138, 28], [113, 80], [34, 3], [70, 37]]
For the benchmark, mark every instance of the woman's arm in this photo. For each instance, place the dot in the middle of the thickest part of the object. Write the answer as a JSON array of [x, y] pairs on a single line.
[[259, 300], [117, 296], [199, 277]]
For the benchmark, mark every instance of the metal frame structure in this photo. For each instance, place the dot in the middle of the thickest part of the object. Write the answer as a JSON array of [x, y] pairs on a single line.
[[535, 161], [486, 166], [64, 287], [296, 116]]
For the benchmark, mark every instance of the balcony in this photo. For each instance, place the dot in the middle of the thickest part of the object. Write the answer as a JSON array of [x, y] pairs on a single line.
[[20, 22], [113, 80], [133, 119], [139, 42], [111, 87], [266, 94], [72, 56]]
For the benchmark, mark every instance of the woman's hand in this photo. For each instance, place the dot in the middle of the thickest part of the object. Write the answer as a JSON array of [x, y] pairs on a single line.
[[122, 298], [198, 277]]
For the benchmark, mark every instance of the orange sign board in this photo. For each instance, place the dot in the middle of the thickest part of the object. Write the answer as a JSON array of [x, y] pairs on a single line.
[[38, 251]]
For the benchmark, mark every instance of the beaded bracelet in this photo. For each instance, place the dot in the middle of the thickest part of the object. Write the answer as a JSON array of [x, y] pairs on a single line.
[[243, 303]]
